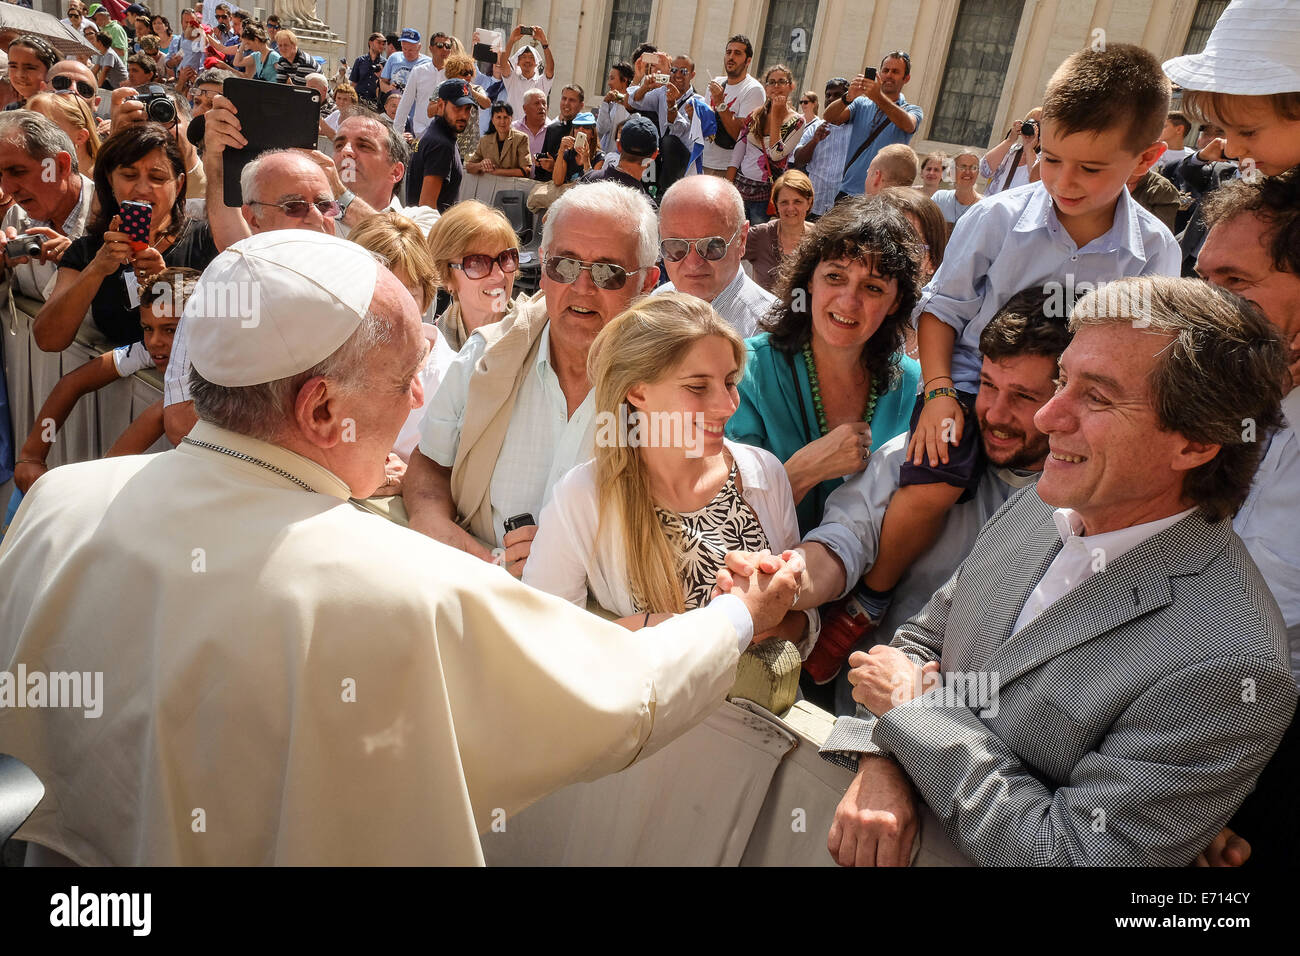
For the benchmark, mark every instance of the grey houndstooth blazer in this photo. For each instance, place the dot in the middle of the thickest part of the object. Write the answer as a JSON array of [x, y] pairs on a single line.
[[1131, 718]]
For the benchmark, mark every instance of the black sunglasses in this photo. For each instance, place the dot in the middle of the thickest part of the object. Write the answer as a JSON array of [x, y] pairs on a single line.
[[479, 266], [605, 275], [711, 248], [64, 84]]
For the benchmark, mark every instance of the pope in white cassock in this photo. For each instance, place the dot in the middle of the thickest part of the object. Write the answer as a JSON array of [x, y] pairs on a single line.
[[287, 678]]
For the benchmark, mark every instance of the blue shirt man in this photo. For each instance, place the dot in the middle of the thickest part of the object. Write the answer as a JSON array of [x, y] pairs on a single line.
[[879, 116]]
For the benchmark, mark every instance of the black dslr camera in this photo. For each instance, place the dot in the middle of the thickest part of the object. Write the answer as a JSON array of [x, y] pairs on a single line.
[[1028, 128], [158, 105]]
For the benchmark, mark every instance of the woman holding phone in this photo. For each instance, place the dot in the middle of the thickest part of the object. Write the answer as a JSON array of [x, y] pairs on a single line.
[[101, 271]]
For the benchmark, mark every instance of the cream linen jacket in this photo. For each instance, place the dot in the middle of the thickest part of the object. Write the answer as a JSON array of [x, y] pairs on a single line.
[[316, 684]]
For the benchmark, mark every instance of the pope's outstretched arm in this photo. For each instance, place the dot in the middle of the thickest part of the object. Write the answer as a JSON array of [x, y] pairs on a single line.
[[544, 694]]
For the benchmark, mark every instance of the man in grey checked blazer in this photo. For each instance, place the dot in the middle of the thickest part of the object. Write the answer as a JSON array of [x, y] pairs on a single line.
[[1147, 683]]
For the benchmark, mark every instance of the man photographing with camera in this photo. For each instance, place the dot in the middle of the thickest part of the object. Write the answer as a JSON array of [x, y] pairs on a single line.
[[38, 168], [879, 114]]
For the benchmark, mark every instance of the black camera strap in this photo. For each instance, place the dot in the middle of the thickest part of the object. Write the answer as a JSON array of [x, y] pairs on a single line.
[[871, 138]]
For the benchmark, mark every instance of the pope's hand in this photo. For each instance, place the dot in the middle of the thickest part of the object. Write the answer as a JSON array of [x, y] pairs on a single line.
[[772, 590]]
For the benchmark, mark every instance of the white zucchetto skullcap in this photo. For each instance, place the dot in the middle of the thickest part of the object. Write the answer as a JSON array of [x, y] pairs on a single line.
[[276, 304]]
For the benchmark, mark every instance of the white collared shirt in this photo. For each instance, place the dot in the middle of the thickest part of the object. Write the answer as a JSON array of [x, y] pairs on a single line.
[[742, 303], [542, 442], [1266, 522], [421, 86], [1082, 556]]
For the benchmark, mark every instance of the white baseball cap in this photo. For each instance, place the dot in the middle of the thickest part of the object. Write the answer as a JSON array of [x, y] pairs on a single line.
[[276, 304], [1253, 50]]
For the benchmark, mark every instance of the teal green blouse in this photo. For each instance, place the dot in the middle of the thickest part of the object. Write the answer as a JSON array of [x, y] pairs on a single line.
[[776, 412]]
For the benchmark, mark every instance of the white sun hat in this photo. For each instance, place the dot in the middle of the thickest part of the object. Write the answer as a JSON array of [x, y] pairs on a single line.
[[1253, 50], [276, 304]]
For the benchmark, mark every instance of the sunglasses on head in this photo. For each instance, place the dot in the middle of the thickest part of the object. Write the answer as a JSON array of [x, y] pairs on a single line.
[[66, 84], [711, 248], [605, 275], [480, 266]]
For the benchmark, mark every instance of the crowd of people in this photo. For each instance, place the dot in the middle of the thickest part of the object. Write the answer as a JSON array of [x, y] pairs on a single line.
[[779, 383]]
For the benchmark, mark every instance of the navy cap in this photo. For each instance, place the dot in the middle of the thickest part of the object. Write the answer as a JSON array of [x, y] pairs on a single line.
[[639, 138], [410, 36], [455, 92]]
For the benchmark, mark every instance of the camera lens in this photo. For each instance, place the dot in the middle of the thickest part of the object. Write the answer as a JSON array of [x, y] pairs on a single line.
[[162, 110], [1027, 128]]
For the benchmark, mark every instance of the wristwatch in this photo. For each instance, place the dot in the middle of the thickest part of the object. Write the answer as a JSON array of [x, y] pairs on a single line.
[[344, 201]]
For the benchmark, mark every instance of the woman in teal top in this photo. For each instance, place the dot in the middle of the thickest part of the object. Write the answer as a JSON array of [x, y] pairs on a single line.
[[828, 380]]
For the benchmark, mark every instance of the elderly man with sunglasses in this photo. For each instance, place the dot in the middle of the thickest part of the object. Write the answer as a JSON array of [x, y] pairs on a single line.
[[702, 219], [514, 411]]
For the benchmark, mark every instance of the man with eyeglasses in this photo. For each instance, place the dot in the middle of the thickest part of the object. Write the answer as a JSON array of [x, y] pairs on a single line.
[[878, 115], [366, 69], [514, 411], [38, 168], [224, 33], [822, 151], [702, 219], [422, 85]]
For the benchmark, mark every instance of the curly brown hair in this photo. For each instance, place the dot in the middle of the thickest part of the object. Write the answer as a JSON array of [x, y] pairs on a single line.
[[852, 229]]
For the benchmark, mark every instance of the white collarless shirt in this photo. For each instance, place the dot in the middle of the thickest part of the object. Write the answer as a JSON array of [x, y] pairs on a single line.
[[1082, 556]]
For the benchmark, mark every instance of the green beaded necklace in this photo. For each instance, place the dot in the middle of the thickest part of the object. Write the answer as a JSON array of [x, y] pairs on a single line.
[[816, 388]]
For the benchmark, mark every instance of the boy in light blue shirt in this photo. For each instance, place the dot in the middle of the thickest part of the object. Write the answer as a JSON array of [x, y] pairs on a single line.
[[1103, 112]]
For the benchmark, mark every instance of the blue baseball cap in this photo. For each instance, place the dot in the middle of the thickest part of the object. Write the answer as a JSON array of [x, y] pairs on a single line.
[[410, 36], [639, 137], [584, 119]]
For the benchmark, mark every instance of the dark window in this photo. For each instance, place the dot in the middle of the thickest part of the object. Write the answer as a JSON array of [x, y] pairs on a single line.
[[1207, 14], [384, 19], [976, 70], [787, 38], [629, 27], [496, 15]]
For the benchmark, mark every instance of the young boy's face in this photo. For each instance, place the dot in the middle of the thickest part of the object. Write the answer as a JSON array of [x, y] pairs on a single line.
[[1085, 171], [1254, 130], [159, 330]]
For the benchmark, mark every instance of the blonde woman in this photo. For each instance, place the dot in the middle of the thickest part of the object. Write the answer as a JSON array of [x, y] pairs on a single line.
[[403, 248], [646, 524], [73, 115], [475, 257], [345, 104]]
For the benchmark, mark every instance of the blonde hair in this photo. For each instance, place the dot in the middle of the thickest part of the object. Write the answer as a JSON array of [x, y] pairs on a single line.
[[282, 35], [77, 112], [402, 244], [643, 345], [460, 228], [346, 87], [458, 66]]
